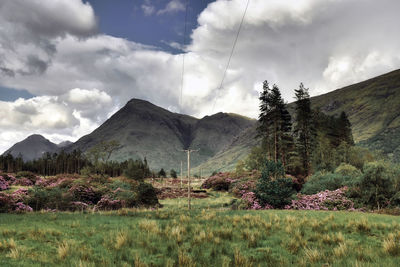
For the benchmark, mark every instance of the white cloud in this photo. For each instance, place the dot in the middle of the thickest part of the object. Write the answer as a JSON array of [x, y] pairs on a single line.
[[59, 118], [148, 8], [172, 7], [325, 44]]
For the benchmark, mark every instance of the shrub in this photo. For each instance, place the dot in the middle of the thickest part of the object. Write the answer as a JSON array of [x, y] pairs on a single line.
[[162, 173], [375, 187], [324, 181], [348, 170], [137, 170], [218, 182], [84, 193], [3, 184], [273, 188], [326, 200], [173, 174], [23, 182], [28, 175], [146, 195], [106, 203], [6, 202]]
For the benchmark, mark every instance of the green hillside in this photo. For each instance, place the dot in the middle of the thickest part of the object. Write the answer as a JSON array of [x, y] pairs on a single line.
[[373, 107], [146, 130]]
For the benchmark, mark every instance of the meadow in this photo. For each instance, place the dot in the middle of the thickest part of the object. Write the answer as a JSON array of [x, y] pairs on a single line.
[[211, 234]]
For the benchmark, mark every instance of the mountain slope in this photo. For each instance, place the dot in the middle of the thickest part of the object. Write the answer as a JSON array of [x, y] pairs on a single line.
[[373, 107], [145, 130], [32, 147]]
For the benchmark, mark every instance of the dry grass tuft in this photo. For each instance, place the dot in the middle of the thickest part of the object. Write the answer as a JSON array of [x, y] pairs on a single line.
[[63, 250], [341, 250], [121, 240], [313, 255], [149, 226], [391, 245]]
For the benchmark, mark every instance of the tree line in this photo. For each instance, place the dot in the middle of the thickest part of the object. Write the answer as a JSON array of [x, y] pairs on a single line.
[[306, 142]]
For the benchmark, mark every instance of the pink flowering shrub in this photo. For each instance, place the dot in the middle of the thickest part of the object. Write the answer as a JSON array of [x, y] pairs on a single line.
[[84, 193], [220, 182], [106, 203], [250, 202], [12, 203], [325, 200], [3, 184], [21, 207], [78, 205], [23, 182]]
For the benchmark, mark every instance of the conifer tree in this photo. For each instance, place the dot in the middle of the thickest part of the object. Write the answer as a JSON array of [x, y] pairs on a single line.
[[304, 129], [274, 124]]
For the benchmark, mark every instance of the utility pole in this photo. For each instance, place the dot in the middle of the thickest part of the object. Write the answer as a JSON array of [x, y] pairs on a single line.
[[188, 151], [181, 173]]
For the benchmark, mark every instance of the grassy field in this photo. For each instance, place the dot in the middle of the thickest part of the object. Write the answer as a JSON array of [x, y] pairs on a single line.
[[209, 235]]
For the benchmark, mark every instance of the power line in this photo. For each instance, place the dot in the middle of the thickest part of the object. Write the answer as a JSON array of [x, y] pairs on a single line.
[[183, 55], [230, 56]]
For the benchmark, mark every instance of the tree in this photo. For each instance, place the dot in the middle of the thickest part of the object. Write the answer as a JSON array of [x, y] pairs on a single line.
[[101, 153], [274, 124], [173, 174], [304, 129], [273, 187], [375, 185], [344, 128], [162, 173], [137, 170]]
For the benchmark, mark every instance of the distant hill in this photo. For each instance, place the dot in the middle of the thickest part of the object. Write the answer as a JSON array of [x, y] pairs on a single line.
[[64, 144], [32, 147], [146, 130]]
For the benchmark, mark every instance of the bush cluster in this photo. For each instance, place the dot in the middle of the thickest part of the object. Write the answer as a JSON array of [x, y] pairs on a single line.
[[69, 192]]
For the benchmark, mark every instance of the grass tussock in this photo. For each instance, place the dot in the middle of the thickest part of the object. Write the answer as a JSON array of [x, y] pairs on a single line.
[[63, 250]]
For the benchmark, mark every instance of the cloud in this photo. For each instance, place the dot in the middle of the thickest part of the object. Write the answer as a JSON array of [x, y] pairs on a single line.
[[172, 7], [59, 118], [325, 44], [28, 30], [148, 8]]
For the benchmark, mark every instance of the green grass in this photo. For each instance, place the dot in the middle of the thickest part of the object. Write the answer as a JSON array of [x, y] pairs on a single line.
[[209, 235]]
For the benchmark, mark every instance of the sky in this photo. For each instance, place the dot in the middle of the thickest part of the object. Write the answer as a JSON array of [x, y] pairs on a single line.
[[68, 65]]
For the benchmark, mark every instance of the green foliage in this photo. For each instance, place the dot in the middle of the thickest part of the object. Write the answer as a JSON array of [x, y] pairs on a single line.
[[273, 187], [304, 129], [375, 187], [146, 194], [173, 174], [345, 169], [274, 124], [321, 181], [162, 173], [137, 170]]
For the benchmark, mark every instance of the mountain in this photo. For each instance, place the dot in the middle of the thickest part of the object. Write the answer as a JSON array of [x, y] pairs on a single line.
[[64, 144], [373, 107], [32, 147], [146, 130]]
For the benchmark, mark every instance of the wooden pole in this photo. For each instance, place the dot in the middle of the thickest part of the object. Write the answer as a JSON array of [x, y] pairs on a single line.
[[188, 171]]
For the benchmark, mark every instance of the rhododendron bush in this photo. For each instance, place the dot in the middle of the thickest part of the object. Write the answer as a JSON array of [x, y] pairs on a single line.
[[325, 200], [69, 192]]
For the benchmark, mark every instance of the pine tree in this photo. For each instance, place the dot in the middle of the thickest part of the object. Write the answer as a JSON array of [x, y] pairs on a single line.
[[274, 124], [304, 129], [344, 126]]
